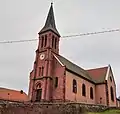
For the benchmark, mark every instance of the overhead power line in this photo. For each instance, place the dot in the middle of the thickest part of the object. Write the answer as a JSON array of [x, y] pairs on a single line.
[[17, 41], [92, 33], [64, 37]]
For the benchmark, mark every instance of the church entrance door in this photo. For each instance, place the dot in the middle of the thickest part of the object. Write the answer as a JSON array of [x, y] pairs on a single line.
[[38, 94]]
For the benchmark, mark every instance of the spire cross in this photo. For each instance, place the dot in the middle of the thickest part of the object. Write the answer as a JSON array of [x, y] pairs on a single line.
[[51, 2]]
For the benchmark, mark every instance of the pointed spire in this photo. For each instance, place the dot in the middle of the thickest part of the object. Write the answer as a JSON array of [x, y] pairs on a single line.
[[50, 22]]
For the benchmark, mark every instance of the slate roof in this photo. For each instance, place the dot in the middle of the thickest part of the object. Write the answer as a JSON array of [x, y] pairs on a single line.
[[94, 75], [12, 95], [50, 22], [98, 74], [75, 68]]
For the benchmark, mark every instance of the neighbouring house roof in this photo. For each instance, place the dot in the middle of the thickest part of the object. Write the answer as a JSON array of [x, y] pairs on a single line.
[[12, 95], [96, 75]]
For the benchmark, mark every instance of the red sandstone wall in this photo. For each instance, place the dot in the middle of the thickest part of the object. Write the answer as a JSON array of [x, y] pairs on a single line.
[[40, 79], [78, 97], [58, 93], [35, 84], [101, 94], [46, 83]]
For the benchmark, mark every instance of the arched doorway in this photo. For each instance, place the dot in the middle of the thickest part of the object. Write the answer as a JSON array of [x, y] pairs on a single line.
[[38, 92]]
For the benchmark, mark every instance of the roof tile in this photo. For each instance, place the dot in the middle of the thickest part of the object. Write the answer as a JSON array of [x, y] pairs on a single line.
[[12, 95], [98, 74]]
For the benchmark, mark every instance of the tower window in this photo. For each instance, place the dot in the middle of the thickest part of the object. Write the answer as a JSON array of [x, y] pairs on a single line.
[[74, 86], [42, 41], [39, 72], [91, 92], [55, 43], [42, 71], [83, 90], [52, 41], [45, 40], [56, 82], [112, 94], [110, 78]]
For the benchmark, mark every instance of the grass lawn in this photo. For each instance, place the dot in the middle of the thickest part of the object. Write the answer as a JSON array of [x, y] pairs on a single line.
[[108, 112]]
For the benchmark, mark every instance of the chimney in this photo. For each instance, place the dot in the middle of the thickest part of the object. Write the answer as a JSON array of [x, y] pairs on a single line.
[[21, 91]]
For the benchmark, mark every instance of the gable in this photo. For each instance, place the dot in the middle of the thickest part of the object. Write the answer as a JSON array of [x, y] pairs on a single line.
[[110, 76]]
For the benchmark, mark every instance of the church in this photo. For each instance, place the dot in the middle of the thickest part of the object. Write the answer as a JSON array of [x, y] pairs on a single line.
[[54, 78]]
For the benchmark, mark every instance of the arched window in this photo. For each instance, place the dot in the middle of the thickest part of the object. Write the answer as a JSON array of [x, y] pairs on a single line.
[[52, 41], [42, 71], [39, 72], [74, 86], [91, 92], [45, 40], [83, 90], [55, 43], [56, 82], [42, 41], [112, 94]]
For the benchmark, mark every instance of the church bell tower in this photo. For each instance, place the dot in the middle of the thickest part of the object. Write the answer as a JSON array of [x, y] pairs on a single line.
[[40, 85]]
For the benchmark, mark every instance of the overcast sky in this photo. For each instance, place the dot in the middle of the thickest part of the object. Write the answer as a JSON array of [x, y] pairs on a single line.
[[23, 19]]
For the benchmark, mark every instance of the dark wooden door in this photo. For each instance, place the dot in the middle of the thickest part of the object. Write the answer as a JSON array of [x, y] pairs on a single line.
[[38, 94]]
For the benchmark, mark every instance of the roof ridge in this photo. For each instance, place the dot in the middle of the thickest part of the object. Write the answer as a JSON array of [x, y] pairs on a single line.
[[97, 68], [72, 62], [69, 61], [82, 70], [12, 89]]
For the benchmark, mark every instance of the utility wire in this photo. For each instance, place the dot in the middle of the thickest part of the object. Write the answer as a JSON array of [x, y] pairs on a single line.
[[64, 37], [92, 33], [17, 41]]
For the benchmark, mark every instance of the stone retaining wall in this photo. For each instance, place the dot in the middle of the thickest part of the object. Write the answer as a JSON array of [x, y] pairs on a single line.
[[48, 108]]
